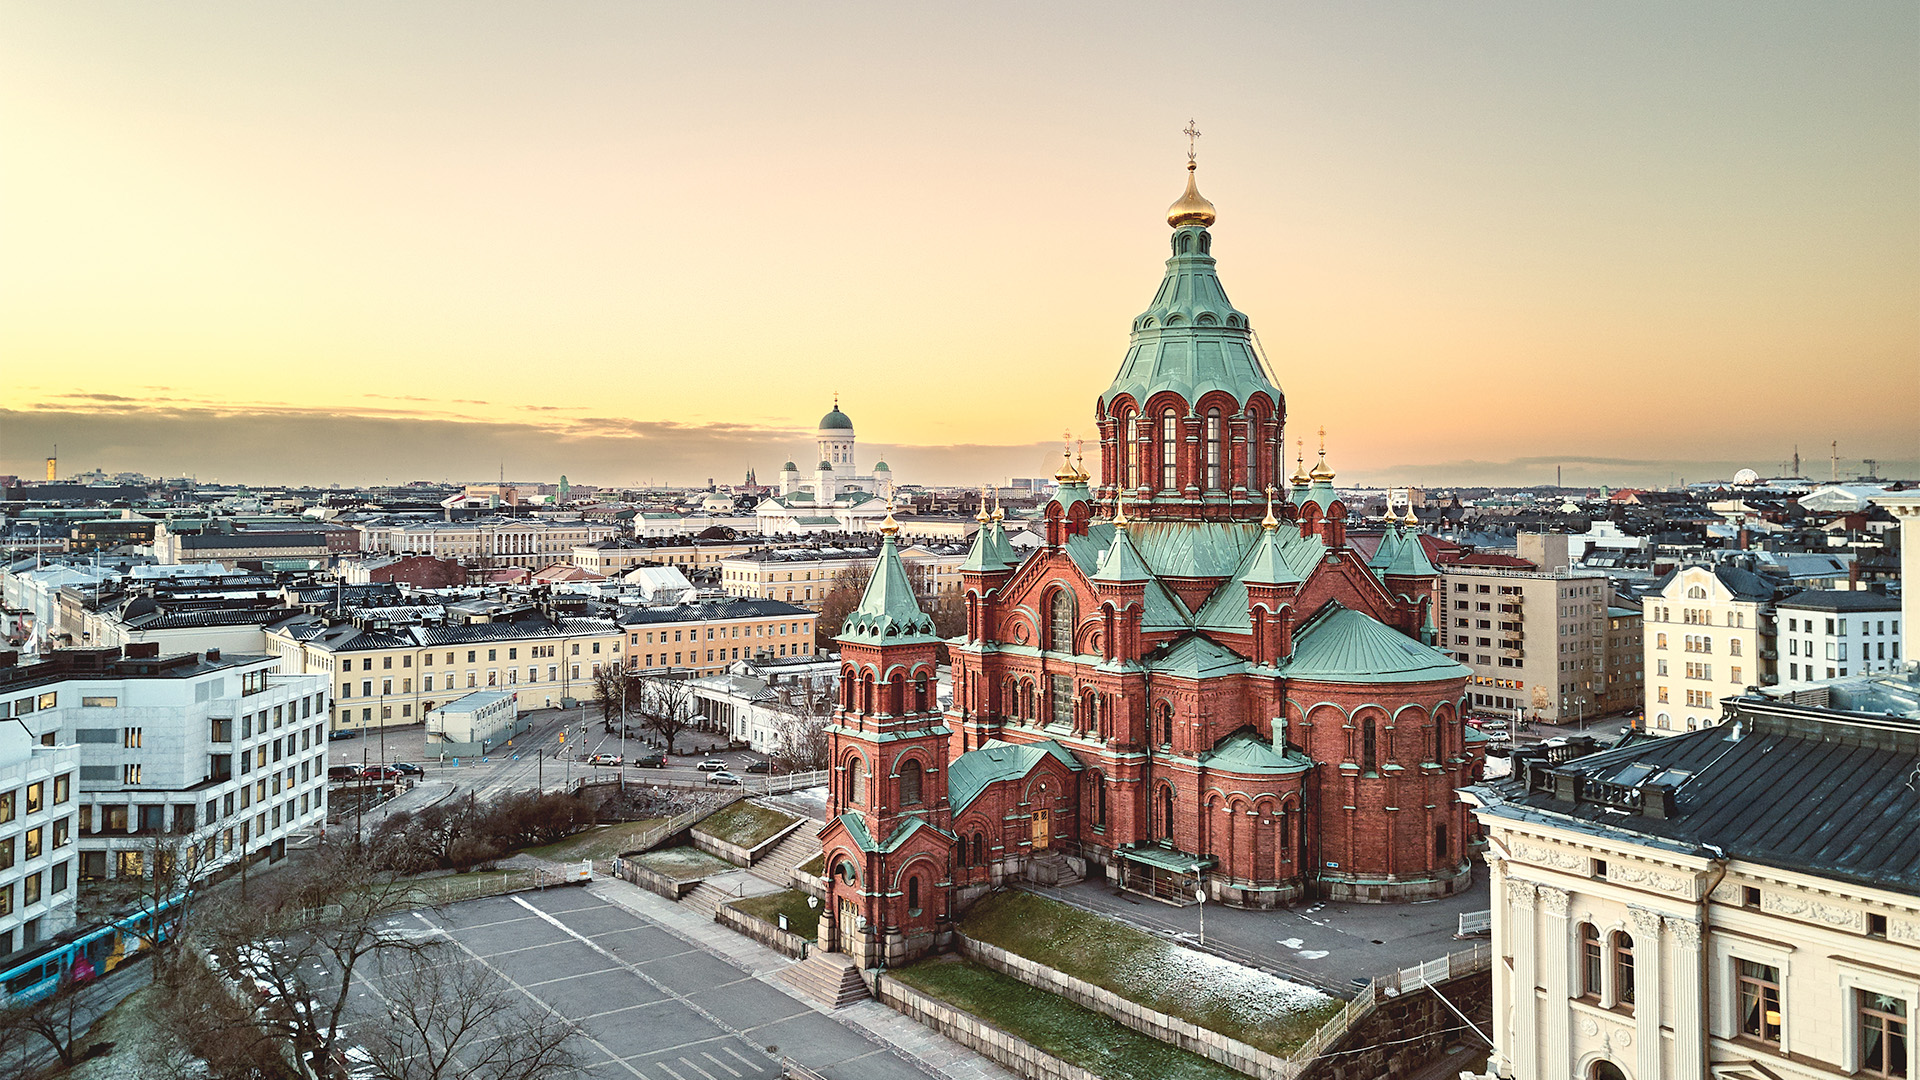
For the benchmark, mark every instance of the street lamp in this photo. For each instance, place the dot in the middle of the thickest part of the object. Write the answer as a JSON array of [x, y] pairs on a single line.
[[1200, 894]]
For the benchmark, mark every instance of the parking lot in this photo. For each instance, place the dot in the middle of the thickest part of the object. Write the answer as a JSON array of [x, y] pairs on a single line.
[[648, 1003]]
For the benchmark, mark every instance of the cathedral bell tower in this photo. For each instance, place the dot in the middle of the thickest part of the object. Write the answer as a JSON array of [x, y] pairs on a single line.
[[887, 840]]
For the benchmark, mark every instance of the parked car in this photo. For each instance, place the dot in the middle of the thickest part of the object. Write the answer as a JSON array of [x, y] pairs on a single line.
[[712, 764], [604, 759], [761, 767], [649, 761], [341, 733], [380, 772], [409, 768], [724, 778], [344, 772]]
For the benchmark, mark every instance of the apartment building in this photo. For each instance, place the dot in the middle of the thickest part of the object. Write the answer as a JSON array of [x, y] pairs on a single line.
[[805, 575], [1826, 634], [391, 668], [1713, 904], [222, 749], [706, 636], [1536, 640], [1709, 634], [1624, 689], [37, 805], [530, 543], [614, 557]]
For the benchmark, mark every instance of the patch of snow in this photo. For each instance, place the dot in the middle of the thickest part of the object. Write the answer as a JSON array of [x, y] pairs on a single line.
[[1210, 984], [1311, 954], [1292, 943]]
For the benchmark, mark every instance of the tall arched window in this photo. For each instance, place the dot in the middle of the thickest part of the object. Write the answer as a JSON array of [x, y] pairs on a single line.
[[1061, 617], [1132, 458], [1169, 451], [1591, 960], [1166, 723], [856, 781], [1369, 747], [910, 784], [913, 896], [1099, 800], [1166, 812], [1253, 451], [1439, 740], [1213, 449], [920, 692], [979, 849], [1622, 968]]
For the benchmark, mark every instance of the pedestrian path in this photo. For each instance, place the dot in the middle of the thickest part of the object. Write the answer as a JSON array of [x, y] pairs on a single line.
[[934, 1052]]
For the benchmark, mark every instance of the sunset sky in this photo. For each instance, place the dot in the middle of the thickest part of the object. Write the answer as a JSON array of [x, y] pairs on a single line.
[[638, 242]]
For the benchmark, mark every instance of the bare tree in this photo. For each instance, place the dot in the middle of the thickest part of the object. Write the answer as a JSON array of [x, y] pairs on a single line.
[[173, 867], [451, 1016], [301, 946], [802, 728], [842, 596], [666, 708], [54, 1019]]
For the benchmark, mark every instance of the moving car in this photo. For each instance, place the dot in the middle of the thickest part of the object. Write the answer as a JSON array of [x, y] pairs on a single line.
[[761, 767], [380, 772], [344, 772], [649, 761], [409, 768], [604, 759], [724, 778], [712, 764]]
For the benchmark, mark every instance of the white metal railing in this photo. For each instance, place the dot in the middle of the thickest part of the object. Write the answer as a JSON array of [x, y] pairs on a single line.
[[1476, 922]]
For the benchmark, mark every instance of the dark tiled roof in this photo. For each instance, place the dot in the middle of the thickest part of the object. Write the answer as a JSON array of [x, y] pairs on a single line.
[[1809, 790], [1842, 600], [739, 607]]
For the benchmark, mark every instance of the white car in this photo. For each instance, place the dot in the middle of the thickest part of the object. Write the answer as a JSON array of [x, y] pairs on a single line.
[[724, 778], [712, 764], [604, 759]]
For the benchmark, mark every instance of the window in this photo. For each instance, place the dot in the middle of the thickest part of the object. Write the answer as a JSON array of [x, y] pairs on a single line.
[[856, 781], [1369, 746], [1883, 1033], [910, 786], [36, 797], [1590, 961], [1758, 987], [62, 788], [131, 738], [1169, 451], [99, 702], [1622, 968], [131, 774], [1213, 449], [913, 896], [1061, 618], [1749, 897]]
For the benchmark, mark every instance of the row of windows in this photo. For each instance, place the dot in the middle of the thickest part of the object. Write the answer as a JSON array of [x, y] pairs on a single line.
[[35, 796], [1867, 627]]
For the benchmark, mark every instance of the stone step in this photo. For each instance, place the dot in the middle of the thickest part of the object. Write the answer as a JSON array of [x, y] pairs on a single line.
[[1051, 868], [706, 898], [828, 977], [777, 865]]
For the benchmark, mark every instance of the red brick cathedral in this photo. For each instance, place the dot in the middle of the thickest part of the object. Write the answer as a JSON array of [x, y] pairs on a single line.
[[1192, 684]]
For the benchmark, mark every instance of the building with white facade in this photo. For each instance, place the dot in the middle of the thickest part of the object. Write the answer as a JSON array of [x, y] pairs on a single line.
[[831, 496], [38, 876], [1709, 634], [526, 542], [223, 750], [1741, 902], [1826, 634]]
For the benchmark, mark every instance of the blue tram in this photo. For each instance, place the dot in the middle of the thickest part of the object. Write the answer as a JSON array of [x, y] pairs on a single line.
[[90, 955]]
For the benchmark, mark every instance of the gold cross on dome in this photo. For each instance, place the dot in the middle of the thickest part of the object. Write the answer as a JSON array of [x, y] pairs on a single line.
[[1192, 133]]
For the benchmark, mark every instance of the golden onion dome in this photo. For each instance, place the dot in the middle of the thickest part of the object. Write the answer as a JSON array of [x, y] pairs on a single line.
[[1191, 208], [1322, 471]]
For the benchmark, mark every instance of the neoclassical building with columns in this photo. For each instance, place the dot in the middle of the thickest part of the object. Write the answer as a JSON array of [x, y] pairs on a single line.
[[1740, 902]]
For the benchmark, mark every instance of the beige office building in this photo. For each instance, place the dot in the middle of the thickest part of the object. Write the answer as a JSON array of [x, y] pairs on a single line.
[[1535, 640]]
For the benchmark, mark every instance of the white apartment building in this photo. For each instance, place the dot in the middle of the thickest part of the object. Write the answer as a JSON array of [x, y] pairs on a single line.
[[806, 575], [221, 749], [526, 542], [1713, 904], [37, 804], [1708, 634], [1536, 640], [1827, 634]]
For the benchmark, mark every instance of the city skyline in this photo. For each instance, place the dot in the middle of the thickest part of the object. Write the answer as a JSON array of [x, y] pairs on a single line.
[[276, 246]]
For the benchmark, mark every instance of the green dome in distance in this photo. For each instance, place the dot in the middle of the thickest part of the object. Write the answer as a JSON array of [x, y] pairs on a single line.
[[790, 467], [836, 420], [881, 466], [827, 465]]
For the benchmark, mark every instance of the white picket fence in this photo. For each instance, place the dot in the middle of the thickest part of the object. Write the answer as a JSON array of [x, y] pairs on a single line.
[[1475, 922]]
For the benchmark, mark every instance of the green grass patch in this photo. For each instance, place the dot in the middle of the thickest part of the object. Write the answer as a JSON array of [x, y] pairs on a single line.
[[1243, 1003], [1073, 1034], [745, 824], [598, 842], [792, 903], [816, 866], [683, 863]]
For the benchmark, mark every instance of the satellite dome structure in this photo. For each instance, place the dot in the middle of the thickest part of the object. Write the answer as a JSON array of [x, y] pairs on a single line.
[[1745, 477]]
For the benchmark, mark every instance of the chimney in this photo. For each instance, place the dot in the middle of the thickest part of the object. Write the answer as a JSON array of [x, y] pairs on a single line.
[[1746, 538], [141, 650], [1853, 577], [213, 655]]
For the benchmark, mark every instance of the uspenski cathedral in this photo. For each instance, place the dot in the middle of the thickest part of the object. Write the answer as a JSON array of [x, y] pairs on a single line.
[[1194, 683]]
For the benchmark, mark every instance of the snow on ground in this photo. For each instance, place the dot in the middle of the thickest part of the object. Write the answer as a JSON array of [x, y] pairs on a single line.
[[1212, 984]]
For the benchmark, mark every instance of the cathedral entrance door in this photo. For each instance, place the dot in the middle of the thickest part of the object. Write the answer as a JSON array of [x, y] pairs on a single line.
[[847, 925], [1042, 829]]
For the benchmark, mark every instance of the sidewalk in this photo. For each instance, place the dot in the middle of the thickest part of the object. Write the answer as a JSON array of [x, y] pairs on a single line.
[[934, 1053]]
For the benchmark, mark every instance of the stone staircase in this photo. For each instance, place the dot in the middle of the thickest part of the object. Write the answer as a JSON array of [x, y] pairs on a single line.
[[776, 866], [828, 977], [1051, 868], [707, 898]]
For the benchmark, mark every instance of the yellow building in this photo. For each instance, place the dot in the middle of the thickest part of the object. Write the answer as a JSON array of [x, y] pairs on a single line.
[[806, 575], [1708, 635], [705, 637]]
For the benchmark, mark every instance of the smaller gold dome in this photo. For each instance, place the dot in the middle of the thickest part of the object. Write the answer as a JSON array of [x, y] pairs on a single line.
[[1191, 208], [1322, 471]]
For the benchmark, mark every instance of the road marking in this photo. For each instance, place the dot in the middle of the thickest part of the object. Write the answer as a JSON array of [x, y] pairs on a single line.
[[741, 1060], [697, 1068], [668, 1069], [720, 1063], [641, 975]]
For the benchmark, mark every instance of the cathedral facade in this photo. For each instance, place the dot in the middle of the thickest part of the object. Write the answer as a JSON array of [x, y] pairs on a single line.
[[832, 496], [1194, 684]]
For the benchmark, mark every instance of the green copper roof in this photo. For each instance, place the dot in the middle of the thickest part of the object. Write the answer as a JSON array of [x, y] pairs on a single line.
[[1196, 657], [836, 421], [971, 772], [881, 466], [1345, 646], [1293, 558], [1268, 564], [789, 467], [1121, 564], [1002, 550], [1247, 754], [983, 556], [1071, 493], [887, 612], [1411, 559], [1321, 494], [1390, 542], [1191, 339], [856, 827]]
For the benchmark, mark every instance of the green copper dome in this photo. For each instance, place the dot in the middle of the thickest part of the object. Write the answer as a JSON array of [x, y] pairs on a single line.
[[881, 466], [790, 467], [836, 421]]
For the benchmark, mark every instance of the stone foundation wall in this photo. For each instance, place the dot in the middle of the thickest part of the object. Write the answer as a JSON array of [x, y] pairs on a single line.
[[781, 941], [628, 870], [1407, 1033], [1016, 1054]]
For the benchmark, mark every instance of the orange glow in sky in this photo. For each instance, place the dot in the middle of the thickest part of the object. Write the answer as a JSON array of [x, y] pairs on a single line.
[[642, 242]]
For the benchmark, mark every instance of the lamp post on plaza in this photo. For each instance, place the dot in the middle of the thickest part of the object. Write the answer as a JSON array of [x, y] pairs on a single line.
[[1200, 894]]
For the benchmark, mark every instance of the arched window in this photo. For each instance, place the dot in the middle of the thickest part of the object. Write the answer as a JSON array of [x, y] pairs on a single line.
[[1606, 1070], [1213, 449], [1166, 723], [856, 781], [910, 784], [1169, 451], [1439, 740], [913, 896], [1061, 617], [1132, 478], [979, 849], [1622, 968], [920, 692], [1284, 825], [1253, 454], [1590, 961], [1369, 748], [961, 855], [847, 872], [1166, 812], [1440, 842], [1097, 785]]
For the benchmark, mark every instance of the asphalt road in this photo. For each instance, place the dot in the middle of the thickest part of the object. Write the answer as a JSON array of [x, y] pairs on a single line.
[[647, 1003]]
